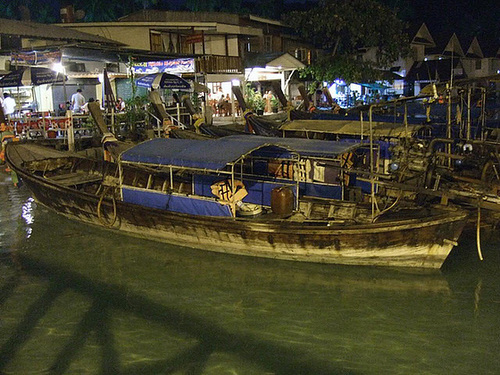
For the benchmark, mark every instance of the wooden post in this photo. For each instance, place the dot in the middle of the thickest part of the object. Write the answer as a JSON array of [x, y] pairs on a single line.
[[469, 93], [372, 183], [69, 132]]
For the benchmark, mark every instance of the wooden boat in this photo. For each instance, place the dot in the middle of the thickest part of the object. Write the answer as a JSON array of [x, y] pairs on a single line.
[[255, 196]]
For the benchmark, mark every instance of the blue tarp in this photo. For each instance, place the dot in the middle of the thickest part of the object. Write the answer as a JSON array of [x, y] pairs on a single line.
[[176, 203], [215, 154]]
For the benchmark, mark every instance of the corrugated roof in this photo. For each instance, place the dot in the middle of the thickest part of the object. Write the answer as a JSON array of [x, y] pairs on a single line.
[[49, 32]]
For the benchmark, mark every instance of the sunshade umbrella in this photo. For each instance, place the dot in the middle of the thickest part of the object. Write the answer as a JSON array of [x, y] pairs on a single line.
[[31, 76], [163, 81]]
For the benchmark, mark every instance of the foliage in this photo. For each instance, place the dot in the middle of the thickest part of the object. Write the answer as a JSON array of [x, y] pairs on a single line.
[[196, 100], [134, 118], [275, 103], [329, 68], [136, 108], [259, 101], [341, 28], [254, 99]]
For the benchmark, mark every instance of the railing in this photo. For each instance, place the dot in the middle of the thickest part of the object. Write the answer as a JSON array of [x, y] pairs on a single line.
[[219, 64]]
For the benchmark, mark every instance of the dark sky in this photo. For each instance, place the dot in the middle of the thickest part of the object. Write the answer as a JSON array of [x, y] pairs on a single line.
[[465, 17]]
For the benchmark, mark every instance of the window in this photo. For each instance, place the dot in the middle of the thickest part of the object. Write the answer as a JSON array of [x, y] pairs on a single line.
[[268, 43], [156, 42], [478, 64]]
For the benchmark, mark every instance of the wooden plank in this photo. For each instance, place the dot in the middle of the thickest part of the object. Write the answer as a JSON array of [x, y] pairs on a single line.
[[76, 178]]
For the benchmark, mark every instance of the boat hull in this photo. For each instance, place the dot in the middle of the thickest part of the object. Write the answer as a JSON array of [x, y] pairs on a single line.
[[422, 243]]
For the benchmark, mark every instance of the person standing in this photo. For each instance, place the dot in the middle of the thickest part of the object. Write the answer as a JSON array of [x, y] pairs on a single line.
[[120, 105], [77, 101], [9, 104]]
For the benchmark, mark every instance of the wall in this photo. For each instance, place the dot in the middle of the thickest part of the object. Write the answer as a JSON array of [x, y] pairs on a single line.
[[133, 37]]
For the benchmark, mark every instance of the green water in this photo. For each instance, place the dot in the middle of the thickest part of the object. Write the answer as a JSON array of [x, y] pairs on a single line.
[[75, 299]]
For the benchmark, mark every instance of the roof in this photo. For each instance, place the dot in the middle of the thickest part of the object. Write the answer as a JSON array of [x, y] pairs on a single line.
[[435, 70], [281, 60], [191, 153], [421, 35], [152, 15], [49, 32], [215, 154], [352, 127]]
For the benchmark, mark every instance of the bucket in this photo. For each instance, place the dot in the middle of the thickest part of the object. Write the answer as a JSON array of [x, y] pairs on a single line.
[[282, 201]]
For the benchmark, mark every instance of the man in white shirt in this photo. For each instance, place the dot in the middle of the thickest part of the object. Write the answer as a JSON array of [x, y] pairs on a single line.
[[9, 104], [77, 101]]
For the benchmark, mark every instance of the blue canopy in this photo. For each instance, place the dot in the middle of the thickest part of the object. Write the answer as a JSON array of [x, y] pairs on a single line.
[[215, 154]]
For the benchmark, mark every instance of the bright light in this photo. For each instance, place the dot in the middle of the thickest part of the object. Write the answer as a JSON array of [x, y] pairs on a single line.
[[58, 67], [235, 82]]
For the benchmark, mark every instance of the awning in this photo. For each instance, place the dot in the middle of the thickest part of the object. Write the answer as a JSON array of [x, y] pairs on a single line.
[[216, 154], [283, 61], [351, 127], [213, 154], [306, 147]]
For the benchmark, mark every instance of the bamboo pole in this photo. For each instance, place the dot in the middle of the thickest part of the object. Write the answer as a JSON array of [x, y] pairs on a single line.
[[372, 184]]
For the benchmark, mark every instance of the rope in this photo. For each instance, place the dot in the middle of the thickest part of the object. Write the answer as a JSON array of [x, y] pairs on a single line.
[[101, 219], [388, 208], [478, 233]]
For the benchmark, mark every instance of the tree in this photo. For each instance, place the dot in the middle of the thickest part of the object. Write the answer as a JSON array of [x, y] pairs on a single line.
[[340, 28]]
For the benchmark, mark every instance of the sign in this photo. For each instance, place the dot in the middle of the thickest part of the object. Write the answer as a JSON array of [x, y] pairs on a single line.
[[36, 57], [195, 38], [175, 66]]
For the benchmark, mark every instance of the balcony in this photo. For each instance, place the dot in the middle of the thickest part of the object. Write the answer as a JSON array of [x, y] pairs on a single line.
[[213, 64]]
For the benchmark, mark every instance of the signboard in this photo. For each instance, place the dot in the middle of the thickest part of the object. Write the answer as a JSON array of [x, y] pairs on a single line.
[[175, 66], [36, 57], [195, 38]]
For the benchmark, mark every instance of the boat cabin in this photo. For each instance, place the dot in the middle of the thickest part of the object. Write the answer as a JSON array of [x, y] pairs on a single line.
[[238, 175]]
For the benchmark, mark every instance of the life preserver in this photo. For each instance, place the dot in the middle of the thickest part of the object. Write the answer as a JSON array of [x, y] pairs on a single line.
[[226, 193], [67, 123]]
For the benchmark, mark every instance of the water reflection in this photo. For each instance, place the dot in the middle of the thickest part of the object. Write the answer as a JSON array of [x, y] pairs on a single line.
[[78, 299], [27, 215]]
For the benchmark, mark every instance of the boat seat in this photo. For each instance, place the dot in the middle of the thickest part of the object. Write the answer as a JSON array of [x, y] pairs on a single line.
[[75, 178]]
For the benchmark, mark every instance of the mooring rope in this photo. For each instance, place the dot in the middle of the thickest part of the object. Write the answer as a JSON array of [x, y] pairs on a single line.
[[101, 219], [478, 233]]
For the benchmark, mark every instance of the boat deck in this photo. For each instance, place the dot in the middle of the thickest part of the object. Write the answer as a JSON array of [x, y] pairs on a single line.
[[75, 178]]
